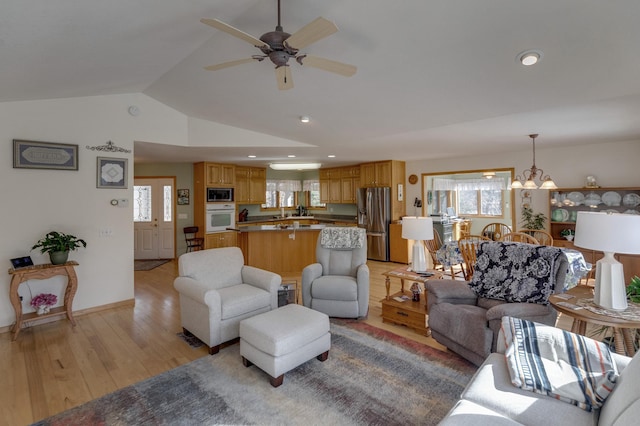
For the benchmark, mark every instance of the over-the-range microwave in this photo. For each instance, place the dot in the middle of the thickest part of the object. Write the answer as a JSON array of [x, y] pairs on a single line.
[[219, 195]]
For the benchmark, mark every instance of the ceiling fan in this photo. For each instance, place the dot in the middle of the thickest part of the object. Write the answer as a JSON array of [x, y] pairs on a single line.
[[279, 46]]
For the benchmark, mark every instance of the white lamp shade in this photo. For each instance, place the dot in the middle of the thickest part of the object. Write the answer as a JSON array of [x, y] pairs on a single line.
[[615, 233], [417, 228]]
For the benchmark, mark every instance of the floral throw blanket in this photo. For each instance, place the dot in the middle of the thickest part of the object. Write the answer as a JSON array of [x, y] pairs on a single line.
[[342, 237], [554, 362], [516, 272]]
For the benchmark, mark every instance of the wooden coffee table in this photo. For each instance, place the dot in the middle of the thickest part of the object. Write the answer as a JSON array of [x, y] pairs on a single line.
[[623, 329], [408, 313]]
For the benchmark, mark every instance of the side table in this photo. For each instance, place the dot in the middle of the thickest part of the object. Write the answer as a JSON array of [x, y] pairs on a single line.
[[41, 272], [623, 328], [408, 313]]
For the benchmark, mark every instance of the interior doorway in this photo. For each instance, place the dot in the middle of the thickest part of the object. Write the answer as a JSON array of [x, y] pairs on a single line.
[[154, 218]]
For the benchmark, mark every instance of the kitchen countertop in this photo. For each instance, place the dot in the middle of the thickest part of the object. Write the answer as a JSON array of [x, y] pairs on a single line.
[[288, 228], [319, 218]]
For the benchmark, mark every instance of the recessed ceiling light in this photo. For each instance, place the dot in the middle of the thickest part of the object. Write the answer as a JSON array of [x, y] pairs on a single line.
[[331, 156], [305, 119], [529, 57], [291, 156], [251, 156]]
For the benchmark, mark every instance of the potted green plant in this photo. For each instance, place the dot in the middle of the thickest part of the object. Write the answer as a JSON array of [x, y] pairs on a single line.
[[531, 220], [58, 245], [633, 290], [568, 233]]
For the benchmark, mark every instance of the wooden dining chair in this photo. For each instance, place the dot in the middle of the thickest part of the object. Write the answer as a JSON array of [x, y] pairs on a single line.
[[467, 247], [495, 230], [465, 228], [433, 246], [544, 238], [194, 243], [519, 237]]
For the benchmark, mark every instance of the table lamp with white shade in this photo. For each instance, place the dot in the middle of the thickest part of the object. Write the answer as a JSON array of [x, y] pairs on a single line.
[[610, 233], [417, 229]]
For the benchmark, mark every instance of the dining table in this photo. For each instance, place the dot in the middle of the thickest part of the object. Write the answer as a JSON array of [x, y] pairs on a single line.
[[449, 254]]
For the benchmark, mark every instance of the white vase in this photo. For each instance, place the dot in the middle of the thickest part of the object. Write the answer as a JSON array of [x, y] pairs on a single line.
[[43, 310], [569, 237]]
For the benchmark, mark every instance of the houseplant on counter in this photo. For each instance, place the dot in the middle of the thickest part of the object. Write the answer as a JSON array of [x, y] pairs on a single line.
[[58, 245]]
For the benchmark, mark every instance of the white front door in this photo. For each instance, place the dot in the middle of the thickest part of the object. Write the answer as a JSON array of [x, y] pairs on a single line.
[[153, 217]]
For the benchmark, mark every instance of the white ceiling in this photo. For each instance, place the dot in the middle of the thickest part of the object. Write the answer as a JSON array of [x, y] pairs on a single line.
[[435, 78]]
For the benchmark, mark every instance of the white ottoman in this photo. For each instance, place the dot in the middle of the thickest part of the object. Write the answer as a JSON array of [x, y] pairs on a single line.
[[282, 339]]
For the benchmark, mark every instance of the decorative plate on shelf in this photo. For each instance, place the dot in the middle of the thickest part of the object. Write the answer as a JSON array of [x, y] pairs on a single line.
[[576, 197], [631, 200], [592, 199], [611, 198], [560, 215]]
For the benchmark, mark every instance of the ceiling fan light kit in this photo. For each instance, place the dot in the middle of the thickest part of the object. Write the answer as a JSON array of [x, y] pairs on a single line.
[[279, 46]]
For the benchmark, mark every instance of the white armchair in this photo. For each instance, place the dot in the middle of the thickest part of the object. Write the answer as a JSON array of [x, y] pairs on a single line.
[[338, 284], [217, 291]]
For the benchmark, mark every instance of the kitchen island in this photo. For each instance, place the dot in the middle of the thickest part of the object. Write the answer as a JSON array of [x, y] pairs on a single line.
[[283, 250]]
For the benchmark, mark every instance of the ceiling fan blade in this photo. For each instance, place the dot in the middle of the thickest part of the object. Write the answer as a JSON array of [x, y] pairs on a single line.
[[328, 65], [229, 64], [234, 32], [310, 33], [283, 75]]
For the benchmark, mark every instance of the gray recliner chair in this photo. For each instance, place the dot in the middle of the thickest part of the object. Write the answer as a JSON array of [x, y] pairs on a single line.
[[510, 279], [338, 284], [217, 291]]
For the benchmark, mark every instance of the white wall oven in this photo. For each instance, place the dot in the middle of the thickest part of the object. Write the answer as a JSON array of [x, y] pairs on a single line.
[[220, 217]]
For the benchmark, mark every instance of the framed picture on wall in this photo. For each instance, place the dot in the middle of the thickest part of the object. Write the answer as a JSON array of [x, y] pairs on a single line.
[[183, 197], [112, 173], [44, 155]]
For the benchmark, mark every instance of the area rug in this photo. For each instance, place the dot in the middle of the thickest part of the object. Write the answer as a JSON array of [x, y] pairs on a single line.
[[147, 265], [372, 377]]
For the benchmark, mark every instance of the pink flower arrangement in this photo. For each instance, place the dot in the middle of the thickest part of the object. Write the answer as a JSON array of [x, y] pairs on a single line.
[[44, 299]]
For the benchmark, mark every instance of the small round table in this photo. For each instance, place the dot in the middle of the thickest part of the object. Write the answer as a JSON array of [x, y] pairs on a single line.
[[623, 329]]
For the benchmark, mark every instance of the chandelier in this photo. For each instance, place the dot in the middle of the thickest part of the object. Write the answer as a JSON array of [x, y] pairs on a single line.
[[529, 175]]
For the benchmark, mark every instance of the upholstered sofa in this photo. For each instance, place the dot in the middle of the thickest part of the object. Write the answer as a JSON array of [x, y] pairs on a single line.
[[490, 398], [510, 279]]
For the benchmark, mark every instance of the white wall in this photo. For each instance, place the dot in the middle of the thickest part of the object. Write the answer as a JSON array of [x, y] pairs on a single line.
[[38, 201], [614, 164]]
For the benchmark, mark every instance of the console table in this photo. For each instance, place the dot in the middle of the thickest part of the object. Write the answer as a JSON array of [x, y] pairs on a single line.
[[41, 272]]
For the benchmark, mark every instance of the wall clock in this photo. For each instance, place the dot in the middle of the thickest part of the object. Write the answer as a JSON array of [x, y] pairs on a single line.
[[413, 179]]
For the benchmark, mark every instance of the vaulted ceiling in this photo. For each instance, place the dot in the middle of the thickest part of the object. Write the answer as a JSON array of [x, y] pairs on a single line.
[[435, 78]]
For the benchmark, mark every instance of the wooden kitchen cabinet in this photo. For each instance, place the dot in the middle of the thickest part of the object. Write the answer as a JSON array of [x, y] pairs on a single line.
[[220, 174], [339, 184], [398, 246], [251, 185], [390, 174], [350, 182], [220, 239], [330, 185], [377, 174]]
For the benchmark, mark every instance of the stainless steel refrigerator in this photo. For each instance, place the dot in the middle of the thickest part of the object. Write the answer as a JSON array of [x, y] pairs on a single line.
[[374, 214]]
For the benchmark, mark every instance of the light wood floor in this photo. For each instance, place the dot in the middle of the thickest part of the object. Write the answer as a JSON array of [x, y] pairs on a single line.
[[54, 366]]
